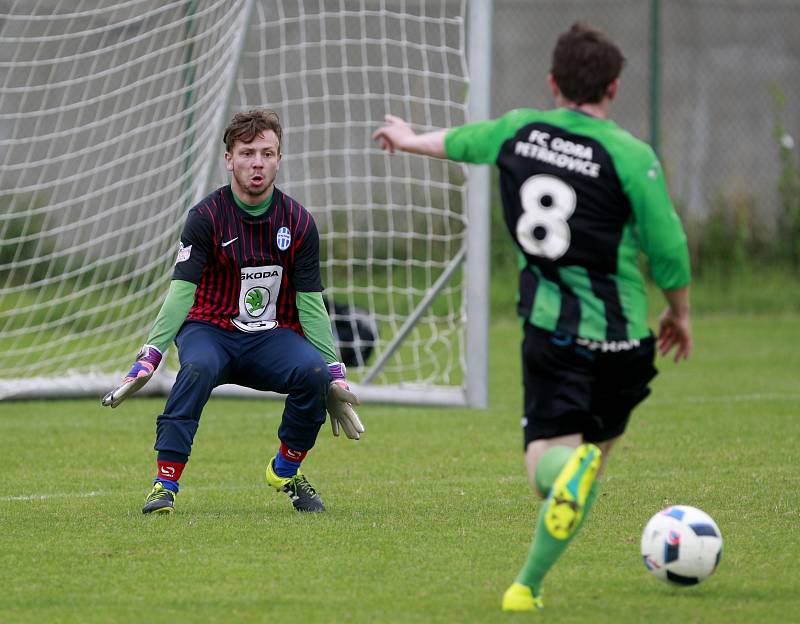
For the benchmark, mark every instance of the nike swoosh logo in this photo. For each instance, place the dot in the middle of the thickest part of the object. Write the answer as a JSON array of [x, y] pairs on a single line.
[[226, 243]]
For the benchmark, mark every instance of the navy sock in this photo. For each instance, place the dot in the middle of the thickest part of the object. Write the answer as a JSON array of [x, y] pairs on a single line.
[[172, 486], [285, 467], [287, 461]]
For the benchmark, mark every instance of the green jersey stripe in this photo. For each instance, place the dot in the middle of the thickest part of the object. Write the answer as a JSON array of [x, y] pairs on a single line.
[[605, 288], [593, 322]]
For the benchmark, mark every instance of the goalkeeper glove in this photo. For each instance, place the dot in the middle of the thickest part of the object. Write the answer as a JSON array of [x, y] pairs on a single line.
[[147, 361], [340, 404]]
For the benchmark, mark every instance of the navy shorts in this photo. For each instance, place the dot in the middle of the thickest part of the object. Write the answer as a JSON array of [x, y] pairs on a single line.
[[574, 385], [279, 360]]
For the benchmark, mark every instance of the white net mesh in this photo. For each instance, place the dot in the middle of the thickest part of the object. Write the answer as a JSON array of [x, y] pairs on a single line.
[[111, 116]]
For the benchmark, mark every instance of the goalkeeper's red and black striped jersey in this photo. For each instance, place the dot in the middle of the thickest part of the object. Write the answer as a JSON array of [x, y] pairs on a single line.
[[581, 198], [248, 270]]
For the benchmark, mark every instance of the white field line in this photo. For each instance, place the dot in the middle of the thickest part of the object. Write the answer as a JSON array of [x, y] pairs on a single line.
[[36, 497], [30, 497]]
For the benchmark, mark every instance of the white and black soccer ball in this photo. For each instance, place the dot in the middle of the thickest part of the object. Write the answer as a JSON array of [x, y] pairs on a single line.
[[681, 545]]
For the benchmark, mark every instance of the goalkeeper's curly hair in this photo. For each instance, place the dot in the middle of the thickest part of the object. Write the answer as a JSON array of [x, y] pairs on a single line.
[[585, 62], [247, 125]]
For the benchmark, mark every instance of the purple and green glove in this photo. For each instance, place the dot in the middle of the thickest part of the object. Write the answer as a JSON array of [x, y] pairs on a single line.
[[340, 404], [147, 361]]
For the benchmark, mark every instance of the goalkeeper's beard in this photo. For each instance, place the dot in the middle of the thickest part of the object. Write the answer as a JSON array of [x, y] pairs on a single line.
[[254, 194]]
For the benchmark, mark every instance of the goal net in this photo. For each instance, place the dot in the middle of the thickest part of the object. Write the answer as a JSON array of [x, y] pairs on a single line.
[[111, 118]]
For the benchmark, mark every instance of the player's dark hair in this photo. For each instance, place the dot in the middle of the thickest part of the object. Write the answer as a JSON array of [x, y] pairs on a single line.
[[585, 62], [247, 125]]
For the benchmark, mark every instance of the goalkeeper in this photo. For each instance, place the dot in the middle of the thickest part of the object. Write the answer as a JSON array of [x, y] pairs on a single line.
[[581, 197], [245, 307]]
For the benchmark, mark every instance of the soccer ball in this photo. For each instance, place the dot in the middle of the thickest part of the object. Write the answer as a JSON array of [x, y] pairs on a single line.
[[681, 545]]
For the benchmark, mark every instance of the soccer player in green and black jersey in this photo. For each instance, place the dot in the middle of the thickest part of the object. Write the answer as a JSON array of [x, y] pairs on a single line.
[[581, 198], [245, 307]]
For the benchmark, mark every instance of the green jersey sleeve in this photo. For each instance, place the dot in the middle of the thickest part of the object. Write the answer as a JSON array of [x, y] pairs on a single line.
[[479, 143], [173, 313], [316, 324], [658, 227]]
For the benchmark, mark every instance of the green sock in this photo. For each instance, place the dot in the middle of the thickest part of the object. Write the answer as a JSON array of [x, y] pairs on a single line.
[[546, 549], [549, 465]]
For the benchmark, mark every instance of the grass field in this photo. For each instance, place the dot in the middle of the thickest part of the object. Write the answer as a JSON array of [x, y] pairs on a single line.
[[429, 516]]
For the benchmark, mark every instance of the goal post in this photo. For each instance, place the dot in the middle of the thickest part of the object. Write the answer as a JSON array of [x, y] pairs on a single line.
[[478, 207], [111, 116]]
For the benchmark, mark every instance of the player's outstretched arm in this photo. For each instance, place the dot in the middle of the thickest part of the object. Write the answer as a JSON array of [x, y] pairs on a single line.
[[172, 315], [397, 135], [340, 404], [147, 361], [674, 326]]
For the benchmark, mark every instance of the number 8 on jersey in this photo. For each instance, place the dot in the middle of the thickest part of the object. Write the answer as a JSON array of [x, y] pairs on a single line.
[[547, 203]]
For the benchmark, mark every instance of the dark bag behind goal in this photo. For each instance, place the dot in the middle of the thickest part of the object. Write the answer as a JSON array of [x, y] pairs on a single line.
[[354, 330]]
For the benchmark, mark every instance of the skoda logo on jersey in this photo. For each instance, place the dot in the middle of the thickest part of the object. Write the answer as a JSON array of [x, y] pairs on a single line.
[[284, 238], [256, 301]]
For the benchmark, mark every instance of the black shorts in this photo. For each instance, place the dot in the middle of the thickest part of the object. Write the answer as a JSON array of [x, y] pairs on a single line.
[[573, 385]]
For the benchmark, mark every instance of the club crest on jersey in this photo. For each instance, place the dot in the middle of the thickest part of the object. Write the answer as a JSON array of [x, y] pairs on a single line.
[[183, 253], [284, 238], [256, 301]]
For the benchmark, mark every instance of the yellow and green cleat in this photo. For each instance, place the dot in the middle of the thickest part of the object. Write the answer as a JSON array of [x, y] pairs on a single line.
[[564, 506], [160, 500], [520, 597], [302, 494]]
